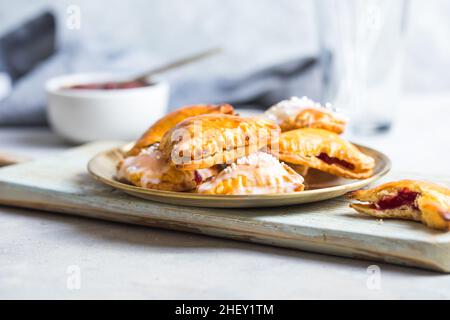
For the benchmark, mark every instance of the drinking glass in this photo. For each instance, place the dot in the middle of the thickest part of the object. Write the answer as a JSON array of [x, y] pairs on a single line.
[[361, 45]]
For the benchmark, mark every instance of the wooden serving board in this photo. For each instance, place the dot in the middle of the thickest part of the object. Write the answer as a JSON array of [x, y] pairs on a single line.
[[62, 184]]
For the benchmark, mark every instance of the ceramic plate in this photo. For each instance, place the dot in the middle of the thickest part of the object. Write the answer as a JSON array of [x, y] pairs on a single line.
[[319, 185]]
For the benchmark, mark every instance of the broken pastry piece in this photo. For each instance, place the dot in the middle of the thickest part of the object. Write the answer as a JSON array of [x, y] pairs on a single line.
[[151, 170], [406, 199], [325, 151], [208, 140], [158, 129], [298, 113], [259, 173]]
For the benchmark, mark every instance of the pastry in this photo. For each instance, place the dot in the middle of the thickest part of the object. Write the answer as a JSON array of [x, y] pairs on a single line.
[[298, 113], [301, 170], [149, 169], [259, 173], [159, 128], [207, 140], [325, 151], [406, 199]]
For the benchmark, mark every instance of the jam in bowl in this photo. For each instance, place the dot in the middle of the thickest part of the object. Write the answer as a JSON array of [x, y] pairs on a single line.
[[96, 106], [111, 85]]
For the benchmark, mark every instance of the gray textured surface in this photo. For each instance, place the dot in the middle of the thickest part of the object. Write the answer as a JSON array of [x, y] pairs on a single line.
[[254, 32], [121, 261]]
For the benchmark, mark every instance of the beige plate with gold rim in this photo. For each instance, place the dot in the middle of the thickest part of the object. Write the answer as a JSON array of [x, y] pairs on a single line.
[[320, 186]]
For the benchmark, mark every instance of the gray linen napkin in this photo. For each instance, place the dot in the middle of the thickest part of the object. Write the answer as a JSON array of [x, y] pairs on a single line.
[[26, 103]]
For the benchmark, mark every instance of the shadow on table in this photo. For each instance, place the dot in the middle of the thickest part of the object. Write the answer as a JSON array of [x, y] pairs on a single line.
[[133, 235]]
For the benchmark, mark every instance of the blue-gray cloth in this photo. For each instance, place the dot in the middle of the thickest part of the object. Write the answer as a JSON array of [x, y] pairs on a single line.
[[25, 105]]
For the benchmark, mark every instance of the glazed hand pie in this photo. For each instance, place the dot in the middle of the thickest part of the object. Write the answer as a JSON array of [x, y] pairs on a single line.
[[207, 140], [325, 151], [301, 170], [298, 113], [406, 199], [156, 131], [259, 173], [151, 170]]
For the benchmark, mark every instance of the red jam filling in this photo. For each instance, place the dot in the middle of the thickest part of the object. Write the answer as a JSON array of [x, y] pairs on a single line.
[[332, 160], [197, 177], [404, 197], [111, 85]]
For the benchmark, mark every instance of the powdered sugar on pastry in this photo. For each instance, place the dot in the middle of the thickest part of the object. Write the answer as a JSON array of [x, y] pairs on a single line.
[[258, 173], [289, 109], [258, 159]]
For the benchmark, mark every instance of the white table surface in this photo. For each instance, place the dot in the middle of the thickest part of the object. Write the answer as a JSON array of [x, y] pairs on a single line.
[[123, 261]]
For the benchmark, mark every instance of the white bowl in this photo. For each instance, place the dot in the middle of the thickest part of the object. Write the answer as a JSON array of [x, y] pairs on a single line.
[[84, 115]]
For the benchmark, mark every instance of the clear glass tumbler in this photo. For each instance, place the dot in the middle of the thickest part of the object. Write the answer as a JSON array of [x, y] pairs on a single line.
[[361, 45]]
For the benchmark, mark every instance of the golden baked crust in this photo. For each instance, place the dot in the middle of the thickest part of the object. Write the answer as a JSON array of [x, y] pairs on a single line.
[[260, 173], [151, 170], [313, 118], [207, 140], [406, 199], [158, 129], [296, 113], [325, 151]]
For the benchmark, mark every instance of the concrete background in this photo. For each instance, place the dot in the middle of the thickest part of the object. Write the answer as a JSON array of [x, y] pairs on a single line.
[[253, 32]]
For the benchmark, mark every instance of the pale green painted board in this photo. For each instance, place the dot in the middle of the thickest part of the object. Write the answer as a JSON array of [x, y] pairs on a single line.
[[62, 184]]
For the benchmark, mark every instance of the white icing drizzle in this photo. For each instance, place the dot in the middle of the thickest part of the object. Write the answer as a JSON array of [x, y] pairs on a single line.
[[288, 109], [149, 166], [264, 173]]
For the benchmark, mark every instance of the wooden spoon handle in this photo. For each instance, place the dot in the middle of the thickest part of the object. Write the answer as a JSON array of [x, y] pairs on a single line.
[[7, 159]]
